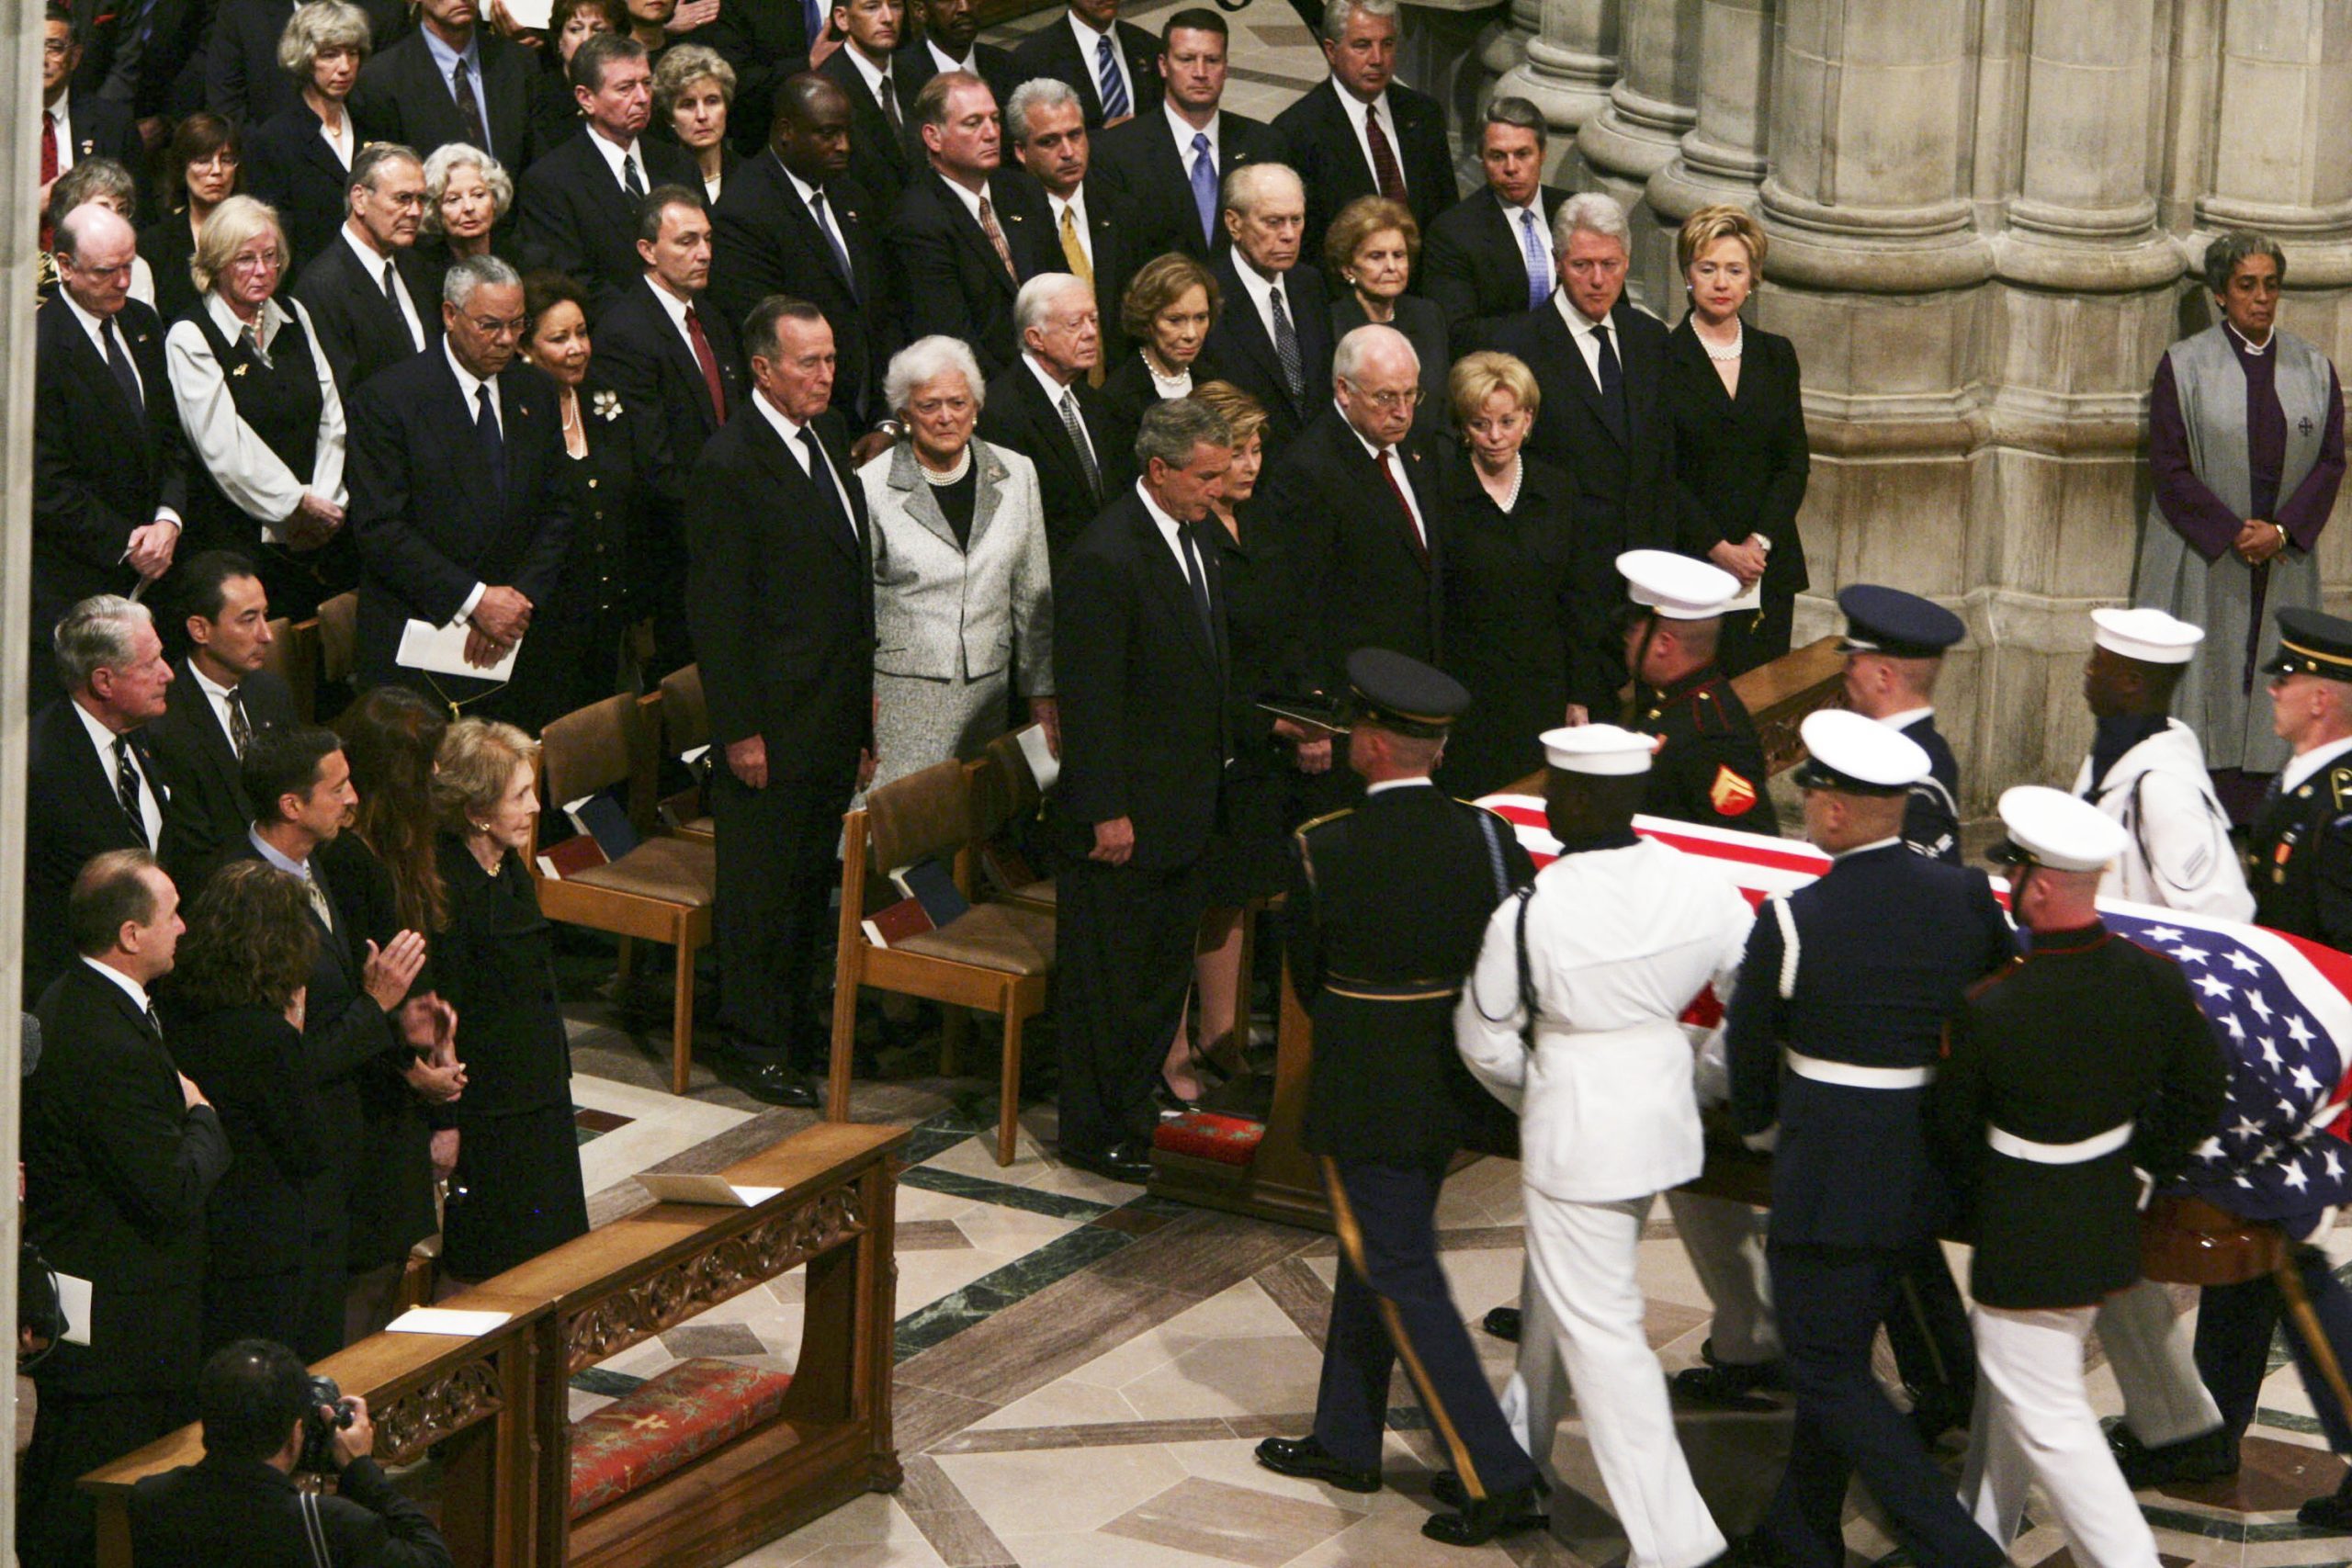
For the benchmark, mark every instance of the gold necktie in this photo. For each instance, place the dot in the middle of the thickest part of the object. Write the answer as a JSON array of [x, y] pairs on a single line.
[[1074, 256]]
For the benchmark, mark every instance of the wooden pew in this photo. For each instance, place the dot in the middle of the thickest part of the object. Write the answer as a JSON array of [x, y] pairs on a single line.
[[1281, 1180], [495, 1410]]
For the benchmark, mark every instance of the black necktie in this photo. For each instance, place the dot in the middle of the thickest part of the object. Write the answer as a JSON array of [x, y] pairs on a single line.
[[1198, 577], [828, 498], [631, 181], [1612, 378], [461, 88], [118, 363], [241, 729], [126, 787], [832, 240], [493, 445]]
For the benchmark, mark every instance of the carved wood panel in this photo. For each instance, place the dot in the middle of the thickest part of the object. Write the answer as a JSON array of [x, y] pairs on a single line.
[[463, 1396]]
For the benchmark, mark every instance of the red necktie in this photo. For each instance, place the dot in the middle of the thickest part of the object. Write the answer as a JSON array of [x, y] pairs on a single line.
[[1412, 522], [1384, 157], [710, 363], [48, 161]]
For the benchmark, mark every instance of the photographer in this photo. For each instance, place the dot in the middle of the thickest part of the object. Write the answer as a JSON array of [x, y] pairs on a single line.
[[260, 1425]]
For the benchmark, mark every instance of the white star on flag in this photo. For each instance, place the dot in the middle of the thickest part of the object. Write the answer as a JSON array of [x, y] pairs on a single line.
[[2237, 1030], [2299, 1030], [2212, 1149], [2295, 1177], [2161, 935], [2335, 1165], [2244, 963], [2245, 1129], [2261, 1009], [2304, 1082], [2213, 985], [2271, 1053], [2191, 954]]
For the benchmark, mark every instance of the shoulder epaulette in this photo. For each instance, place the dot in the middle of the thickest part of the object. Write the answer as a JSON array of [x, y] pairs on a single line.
[[1314, 822], [2339, 784]]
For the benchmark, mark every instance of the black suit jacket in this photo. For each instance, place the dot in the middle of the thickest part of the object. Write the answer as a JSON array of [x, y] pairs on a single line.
[[242, 82], [1240, 350], [1345, 546], [249, 1061], [1051, 50], [209, 809], [72, 812], [764, 240], [1473, 264], [1742, 461], [911, 64], [781, 601], [766, 43], [1140, 155], [402, 97], [289, 166], [179, 1518], [1019, 416], [99, 469], [641, 354], [578, 220], [118, 1169], [361, 328], [1318, 131], [429, 518], [950, 278], [1143, 688], [883, 162]]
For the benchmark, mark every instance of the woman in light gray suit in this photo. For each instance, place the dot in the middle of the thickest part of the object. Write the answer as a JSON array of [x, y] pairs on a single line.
[[963, 604]]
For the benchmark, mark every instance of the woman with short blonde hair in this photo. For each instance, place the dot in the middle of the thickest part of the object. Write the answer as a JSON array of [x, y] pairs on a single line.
[[694, 91], [1477, 377]]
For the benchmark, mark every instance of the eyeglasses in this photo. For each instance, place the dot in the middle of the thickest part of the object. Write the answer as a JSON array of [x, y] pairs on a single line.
[[267, 262], [1386, 401], [56, 48], [511, 327]]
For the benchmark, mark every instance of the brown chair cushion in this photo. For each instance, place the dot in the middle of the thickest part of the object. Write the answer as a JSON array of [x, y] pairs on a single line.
[[678, 871], [1002, 937]]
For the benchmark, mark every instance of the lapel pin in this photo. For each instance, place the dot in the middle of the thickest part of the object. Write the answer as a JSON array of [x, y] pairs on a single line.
[[238, 370]]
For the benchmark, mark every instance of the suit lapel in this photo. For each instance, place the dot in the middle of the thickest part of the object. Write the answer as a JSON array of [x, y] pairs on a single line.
[[1154, 545], [1579, 375], [918, 499]]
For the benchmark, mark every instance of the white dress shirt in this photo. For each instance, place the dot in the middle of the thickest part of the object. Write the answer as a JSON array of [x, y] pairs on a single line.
[[2304, 764], [946, 61], [1580, 330], [1054, 392], [1076, 207], [255, 479], [1511, 216], [789, 429], [150, 802], [1262, 290], [867, 72], [833, 220], [675, 308], [613, 153], [1171, 534], [1090, 44], [1371, 790], [1396, 472], [131, 987], [1354, 107], [342, 143], [371, 261], [969, 197], [467, 385], [216, 696], [63, 118], [1185, 131], [95, 328]]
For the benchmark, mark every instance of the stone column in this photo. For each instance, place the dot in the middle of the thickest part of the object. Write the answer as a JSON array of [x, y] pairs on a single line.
[[1566, 73], [1637, 132], [1722, 156]]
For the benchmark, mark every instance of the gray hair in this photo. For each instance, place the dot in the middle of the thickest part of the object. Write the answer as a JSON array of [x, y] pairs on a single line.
[[100, 633], [1037, 296], [1335, 15], [1247, 185], [1171, 429], [229, 228], [91, 179], [446, 160], [2230, 250], [1038, 92], [1358, 345], [1595, 214], [1517, 113], [925, 360], [369, 160], [477, 272], [316, 28], [683, 66]]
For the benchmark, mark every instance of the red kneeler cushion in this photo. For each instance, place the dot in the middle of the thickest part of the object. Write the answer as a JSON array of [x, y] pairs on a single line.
[[1209, 1135], [667, 1422]]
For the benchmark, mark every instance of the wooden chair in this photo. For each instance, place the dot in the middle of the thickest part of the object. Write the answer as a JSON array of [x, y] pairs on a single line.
[[685, 723], [994, 958], [1004, 791], [660, 891], [293, 657], [339, 637]]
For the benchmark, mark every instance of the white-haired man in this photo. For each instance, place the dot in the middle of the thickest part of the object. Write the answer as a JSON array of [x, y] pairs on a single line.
[[1272, 334], [1042, 408]]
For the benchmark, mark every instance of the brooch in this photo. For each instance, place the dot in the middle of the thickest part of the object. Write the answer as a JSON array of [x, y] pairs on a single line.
[[605, 405], [236, 370]]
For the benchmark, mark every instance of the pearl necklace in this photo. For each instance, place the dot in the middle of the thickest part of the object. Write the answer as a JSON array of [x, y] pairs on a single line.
[[962, 466], [1721, 355]]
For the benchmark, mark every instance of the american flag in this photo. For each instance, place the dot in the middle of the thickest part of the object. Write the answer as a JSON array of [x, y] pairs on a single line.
[[2281, 1007]]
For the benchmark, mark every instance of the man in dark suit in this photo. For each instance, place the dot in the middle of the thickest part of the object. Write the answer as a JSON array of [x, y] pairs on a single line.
[[1089, 218], [1604, 421], [789, 221], [221, 698], [780, 595], [658, 342], [456, 500], [91, 784], [1360, 132], [1108, 62], [109, 462], [966, 233], [366, 292], [76, 123], [948, 40], [882, 155], [1489, 255], [1141, 661], [451, 79], [120, 1152], [1033, 405], [1272, 334], [1173, 163], [580, 203], [254, 1399]]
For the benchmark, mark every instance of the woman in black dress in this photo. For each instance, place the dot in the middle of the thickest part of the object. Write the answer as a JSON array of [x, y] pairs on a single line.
[[623, 547], [1165, 313], [1511, 613], [516, 1191], [1739, 443], [299, 160], [203, 167], [232, 1011]]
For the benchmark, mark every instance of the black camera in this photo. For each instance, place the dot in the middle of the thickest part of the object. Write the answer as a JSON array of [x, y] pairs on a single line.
[[318, 1429]]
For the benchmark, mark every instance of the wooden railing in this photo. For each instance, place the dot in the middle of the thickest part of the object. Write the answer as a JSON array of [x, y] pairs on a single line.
[[494, 1411]]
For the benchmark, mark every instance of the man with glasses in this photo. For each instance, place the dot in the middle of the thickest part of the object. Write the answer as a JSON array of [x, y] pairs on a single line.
[[457, 498]]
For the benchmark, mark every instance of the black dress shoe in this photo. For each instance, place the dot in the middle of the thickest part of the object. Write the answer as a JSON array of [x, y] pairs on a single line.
[[2209, 1456], [1502, 1323], [774, 1082], [1933, 1414], [1124, 1161], [1756, 1550], [1310, 1461], [1506, 1513], [2333, 1512], [1728, 1385], [1447, 1488]]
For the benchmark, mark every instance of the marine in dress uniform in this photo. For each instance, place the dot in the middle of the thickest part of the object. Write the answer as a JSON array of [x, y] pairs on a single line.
[[1388, 900], [2083, 1064], [1895, 648], [1711, 768], [1831, 1036], [1571, 1019]]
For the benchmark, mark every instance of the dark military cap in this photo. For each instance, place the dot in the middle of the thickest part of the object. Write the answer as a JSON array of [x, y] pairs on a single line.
[[2313, 644], [1394, 693], [1901, 626]]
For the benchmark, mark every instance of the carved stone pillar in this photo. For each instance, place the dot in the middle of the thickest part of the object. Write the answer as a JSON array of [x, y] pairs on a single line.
[[1637, 132], [1722, 156], [1566, 73]]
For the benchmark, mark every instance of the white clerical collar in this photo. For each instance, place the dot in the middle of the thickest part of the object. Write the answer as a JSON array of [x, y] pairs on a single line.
[[2257, 349], [2304, 764]]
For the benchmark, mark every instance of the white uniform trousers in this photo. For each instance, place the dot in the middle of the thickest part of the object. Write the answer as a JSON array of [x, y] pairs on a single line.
[[1584, 1317], [1725, 1242], [2151, 1351], [2033, 1423]]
